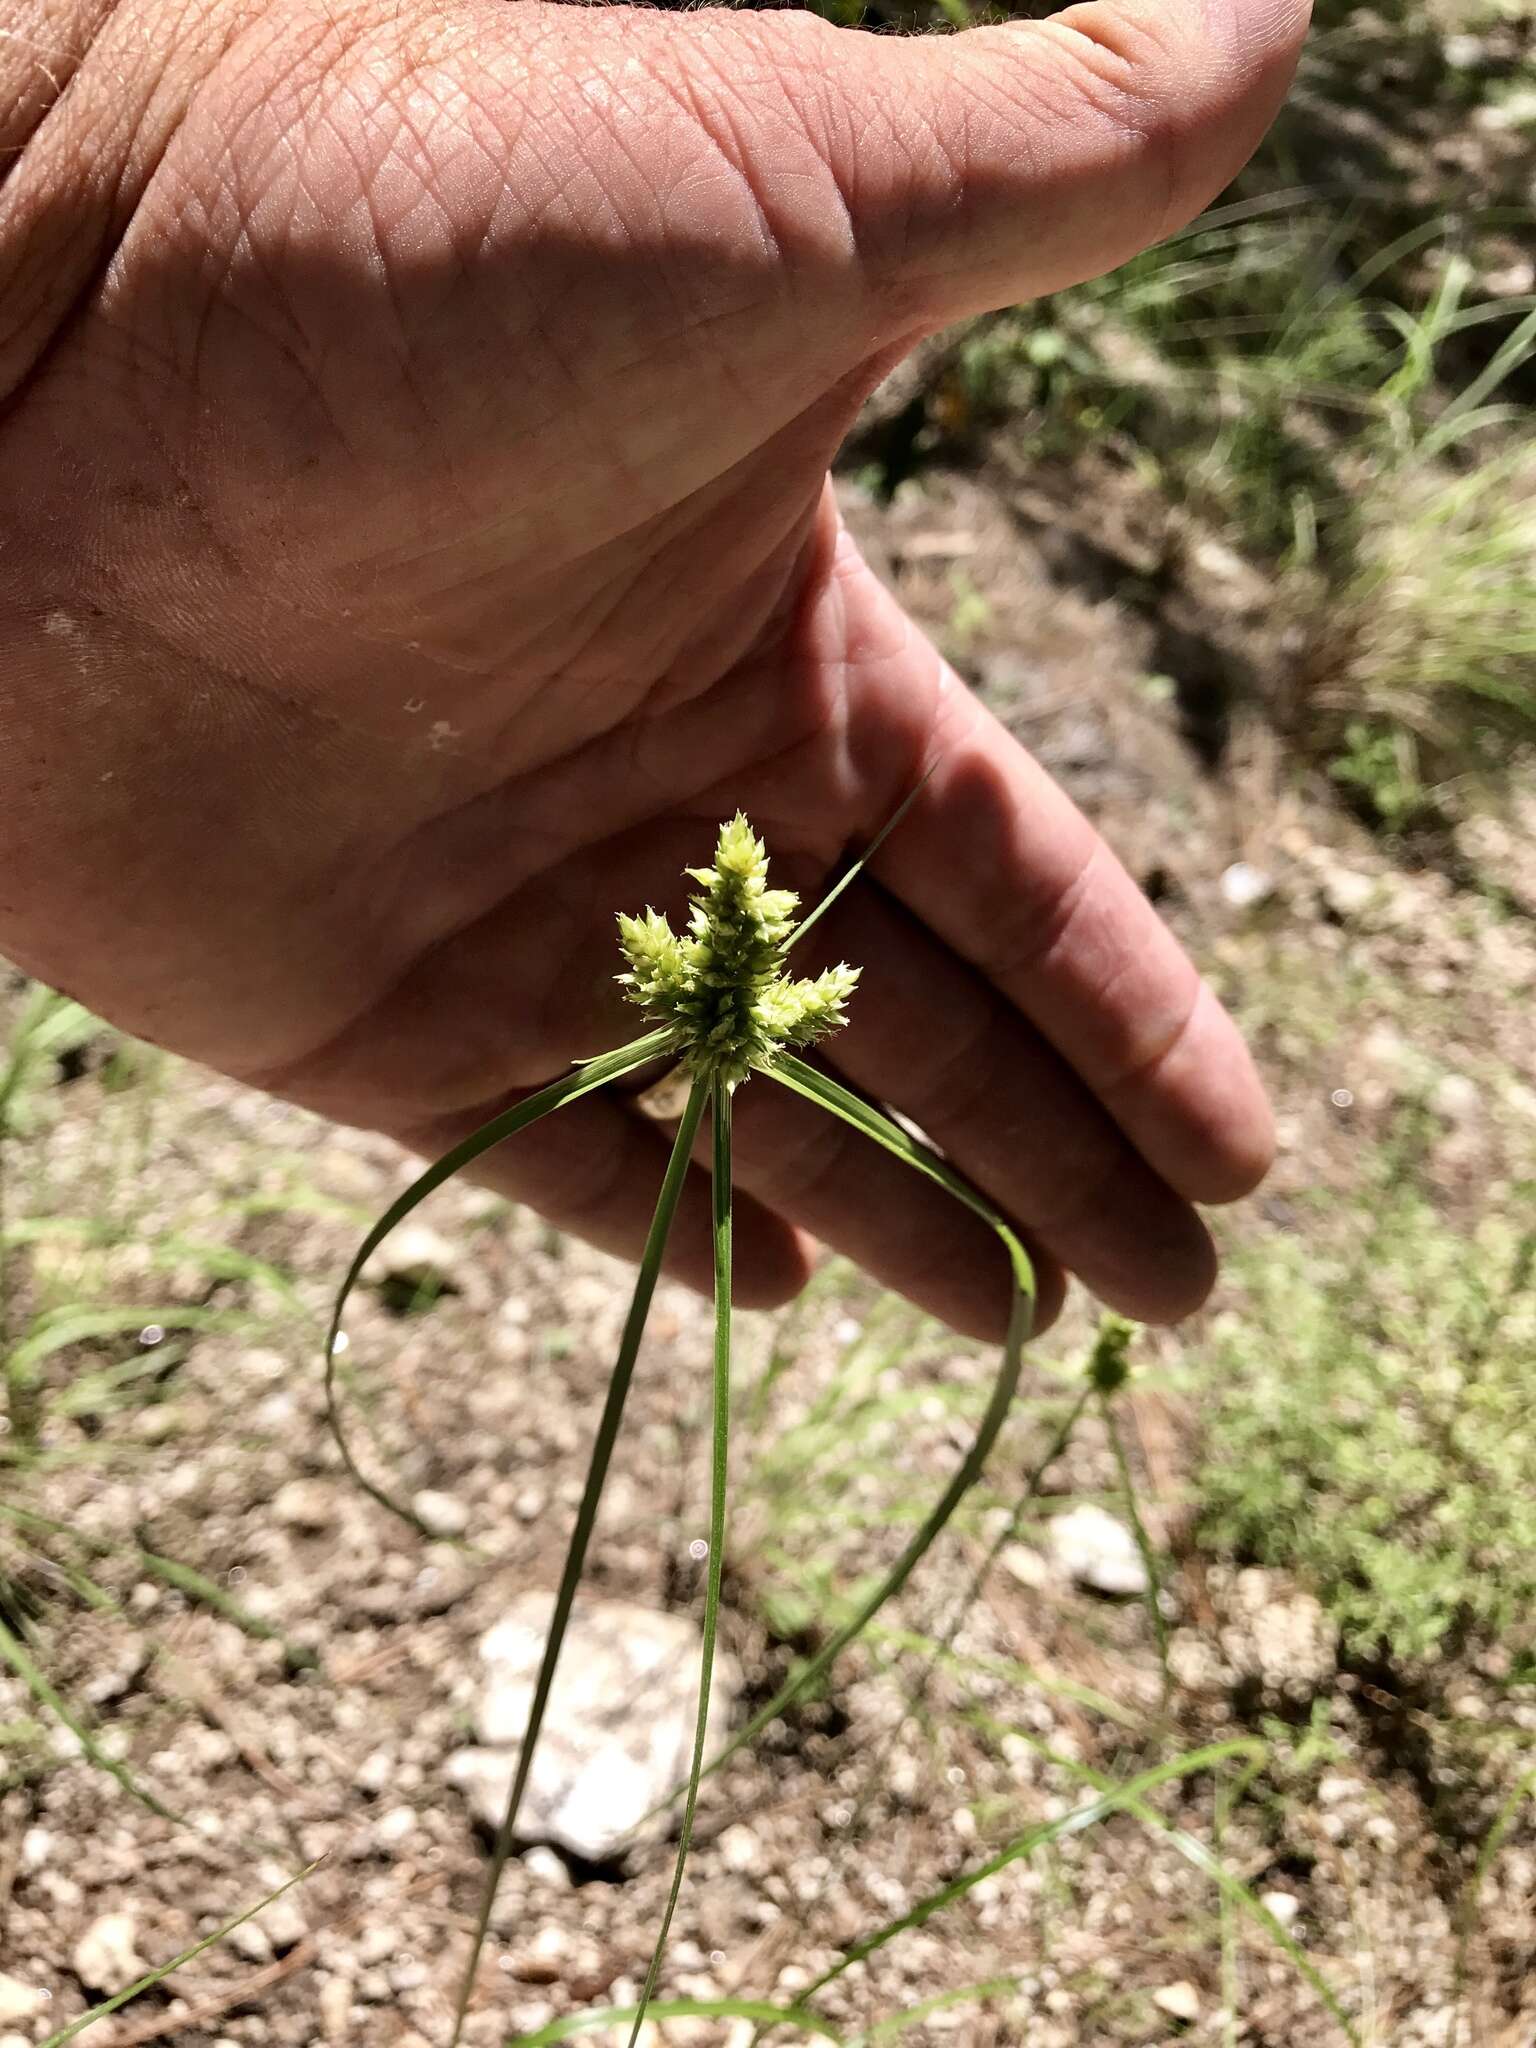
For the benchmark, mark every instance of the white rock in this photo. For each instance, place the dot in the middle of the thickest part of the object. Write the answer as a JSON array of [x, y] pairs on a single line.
[[393, 1827], [1346, 892], [252, 1941], [738, 1848], [308, 1504], [20, 2001], [335, 2003], [106, 1956], [1284, 1906], [545, 1867], [619, 1729], [375, 1772], [413, 1253], [283, 1923], [1337, 1791], [14, 2041], [442, 1514], [1244, 886], [1180, 2001], [1026, 1565], [1095, 1550], [1455, 1098], [36, 1848]]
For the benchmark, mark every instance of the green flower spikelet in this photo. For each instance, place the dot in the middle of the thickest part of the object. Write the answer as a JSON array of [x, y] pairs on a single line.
[[723, 989]]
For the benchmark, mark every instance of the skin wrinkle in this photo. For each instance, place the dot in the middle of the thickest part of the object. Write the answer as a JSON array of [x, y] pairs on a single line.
[[1166, 1046], [192, 460], [113, 179]]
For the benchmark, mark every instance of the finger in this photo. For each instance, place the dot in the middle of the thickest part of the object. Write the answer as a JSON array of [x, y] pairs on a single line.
[[928, 1035], [595, 1169], [1009, 161], [809, 1166], [1007, 872]]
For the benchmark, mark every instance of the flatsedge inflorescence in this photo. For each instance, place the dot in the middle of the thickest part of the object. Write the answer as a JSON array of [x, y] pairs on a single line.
[[723, 988]]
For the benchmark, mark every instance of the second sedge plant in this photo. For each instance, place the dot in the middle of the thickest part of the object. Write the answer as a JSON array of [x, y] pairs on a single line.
[[726, 1008]]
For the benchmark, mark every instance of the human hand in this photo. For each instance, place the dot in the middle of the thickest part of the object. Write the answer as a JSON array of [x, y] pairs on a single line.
[[415, 540]]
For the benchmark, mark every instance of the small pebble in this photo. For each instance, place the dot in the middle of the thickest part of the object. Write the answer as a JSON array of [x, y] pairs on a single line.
[[106, 1957], [1180, 2001], [440, 1512], [546, 1868], [306, 1504], [19, 2001], [1244, 886]]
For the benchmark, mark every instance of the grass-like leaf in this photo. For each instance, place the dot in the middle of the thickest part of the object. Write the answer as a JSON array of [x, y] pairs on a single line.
[[1493, 1842], [720, 1441], [586, 1513], [1040, 1836], [1149, 1563], [193, 1585], [831, 1095], [895, 2024], [68, 1326], [15, 1653], [164, 1970], [847, 880], [762, 2010], [582, 1080]]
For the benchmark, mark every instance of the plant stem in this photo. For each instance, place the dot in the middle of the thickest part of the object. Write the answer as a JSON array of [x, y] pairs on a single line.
[[586, 1517], [1143, 1543], [720, 1118]]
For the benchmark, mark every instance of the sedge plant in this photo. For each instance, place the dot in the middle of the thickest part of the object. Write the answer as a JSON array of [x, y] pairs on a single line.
[[725, 1007]]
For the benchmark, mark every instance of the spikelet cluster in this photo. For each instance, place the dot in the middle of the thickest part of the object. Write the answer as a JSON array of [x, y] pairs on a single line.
[[722, 987]]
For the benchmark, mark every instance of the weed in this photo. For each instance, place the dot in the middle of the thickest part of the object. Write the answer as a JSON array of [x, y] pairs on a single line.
[[725, 1007], [1367, 1421], [1423, 675]]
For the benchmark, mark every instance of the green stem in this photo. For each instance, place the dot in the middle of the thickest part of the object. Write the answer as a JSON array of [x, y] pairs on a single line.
[[586, 1516], [1143, 1544], [831, 1095], [720, 1118]]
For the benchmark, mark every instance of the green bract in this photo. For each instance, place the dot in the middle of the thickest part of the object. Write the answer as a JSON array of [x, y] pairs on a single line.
[[723, 991]]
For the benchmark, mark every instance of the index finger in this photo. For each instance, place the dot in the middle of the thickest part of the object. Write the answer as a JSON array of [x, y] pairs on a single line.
[[1000, 863]]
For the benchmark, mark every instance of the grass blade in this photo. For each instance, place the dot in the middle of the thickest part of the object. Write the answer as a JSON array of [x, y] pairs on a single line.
[[1466, 1917], [582, 1080], [831, 1095], [194, 1586], [16, 1654], [864, 859], [762, 2010], [158, 1976], [818, 1087], [1040, 1836], [720, 1441], [586, 1515], [1154, 1600], [897, 2023], [69, 1326]]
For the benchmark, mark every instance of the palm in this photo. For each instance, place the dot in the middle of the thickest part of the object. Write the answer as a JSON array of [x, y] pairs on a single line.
[[444, 456]]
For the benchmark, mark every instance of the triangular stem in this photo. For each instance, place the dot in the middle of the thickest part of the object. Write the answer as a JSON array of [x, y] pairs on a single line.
[[586, 1518]]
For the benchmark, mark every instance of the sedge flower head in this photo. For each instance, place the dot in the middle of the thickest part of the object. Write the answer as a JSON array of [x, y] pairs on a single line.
[[722, 987]]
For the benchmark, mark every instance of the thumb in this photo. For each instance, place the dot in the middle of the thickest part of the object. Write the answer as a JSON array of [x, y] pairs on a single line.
[[1005, 162]]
